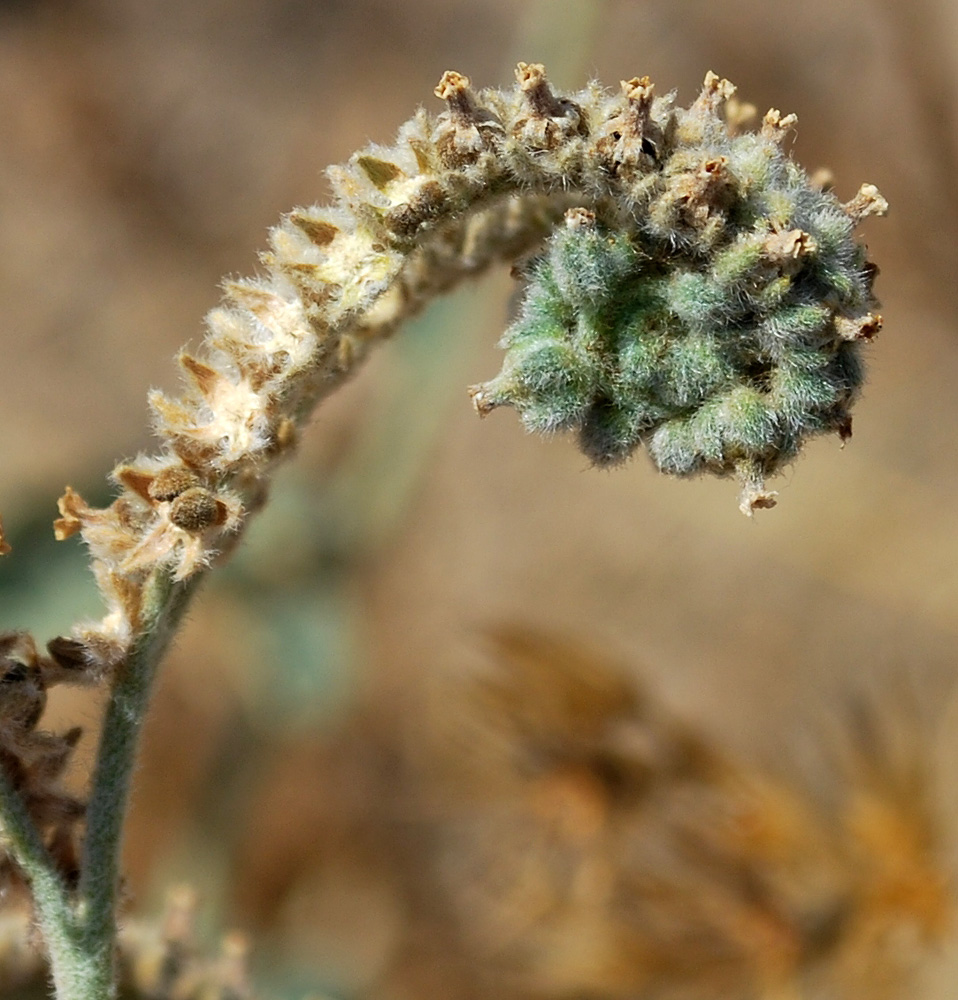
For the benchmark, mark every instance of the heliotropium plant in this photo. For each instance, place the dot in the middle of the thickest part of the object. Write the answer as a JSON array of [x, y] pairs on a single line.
[[688, 289]]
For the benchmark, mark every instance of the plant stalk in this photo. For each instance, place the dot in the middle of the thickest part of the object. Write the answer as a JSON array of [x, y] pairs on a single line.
[[93, 944], [50, 894]]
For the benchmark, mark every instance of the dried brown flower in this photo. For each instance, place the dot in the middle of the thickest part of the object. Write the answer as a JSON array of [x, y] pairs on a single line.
[[33, 761]]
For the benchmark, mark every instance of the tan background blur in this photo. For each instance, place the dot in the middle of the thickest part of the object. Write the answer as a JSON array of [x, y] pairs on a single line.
[[145, 146]]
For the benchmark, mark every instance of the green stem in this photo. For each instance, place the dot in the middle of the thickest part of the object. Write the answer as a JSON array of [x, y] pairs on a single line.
[[50, 894], [164, 605]]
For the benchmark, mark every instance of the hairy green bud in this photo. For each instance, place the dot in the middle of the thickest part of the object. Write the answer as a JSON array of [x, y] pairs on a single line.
[[720, 323]]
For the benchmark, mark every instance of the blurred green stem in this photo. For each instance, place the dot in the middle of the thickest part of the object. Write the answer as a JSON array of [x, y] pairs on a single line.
[[50, 893]]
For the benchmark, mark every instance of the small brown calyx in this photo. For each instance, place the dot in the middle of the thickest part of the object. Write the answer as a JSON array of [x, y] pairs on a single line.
[[868, 201], [775, 125], [196, 509], [484, 406], [700, 196], [755, 498], [551, 121], [427, 203], [318, 231], [533, 83], [710, 185], [72, 509], [169, 483], [716, 91], [468, 131], [69, 654], [381, 173], [858, 327], [136, 479], [640, 130], [638, 91], [454, 89], [715, 168], [579, 218], [786, 250], [631, 139], [204, 376]]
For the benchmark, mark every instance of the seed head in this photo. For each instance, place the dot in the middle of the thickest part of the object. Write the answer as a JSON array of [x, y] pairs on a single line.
[[195, 509], [171, 482]]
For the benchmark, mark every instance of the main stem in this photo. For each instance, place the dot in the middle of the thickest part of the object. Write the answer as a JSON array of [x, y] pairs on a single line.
[[86, 968]]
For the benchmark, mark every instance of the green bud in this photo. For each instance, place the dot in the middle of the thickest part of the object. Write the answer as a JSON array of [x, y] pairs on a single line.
[[720, 326]]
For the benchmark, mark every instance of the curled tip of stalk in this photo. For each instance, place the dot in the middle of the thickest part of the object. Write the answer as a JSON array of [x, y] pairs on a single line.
[[715, 315], [703, 299]]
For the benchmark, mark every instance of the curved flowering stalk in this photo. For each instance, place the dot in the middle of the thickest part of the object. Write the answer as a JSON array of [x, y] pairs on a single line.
[[483, 182], [702, 298]]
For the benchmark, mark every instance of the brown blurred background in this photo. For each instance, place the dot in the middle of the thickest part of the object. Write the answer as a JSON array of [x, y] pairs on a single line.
[[145, 146]]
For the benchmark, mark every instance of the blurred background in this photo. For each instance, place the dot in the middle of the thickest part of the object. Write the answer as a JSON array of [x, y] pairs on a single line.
[[145, 147]]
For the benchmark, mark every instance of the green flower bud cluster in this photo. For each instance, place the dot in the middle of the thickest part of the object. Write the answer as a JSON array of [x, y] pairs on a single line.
[[721, 326]]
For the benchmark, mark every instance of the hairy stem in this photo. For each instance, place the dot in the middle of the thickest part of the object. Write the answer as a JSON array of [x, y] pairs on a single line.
[[50, 894], [164, 605]]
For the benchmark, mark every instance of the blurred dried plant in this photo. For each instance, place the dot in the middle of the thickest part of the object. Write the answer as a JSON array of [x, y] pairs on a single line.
[[158, 959], [548, 831]]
